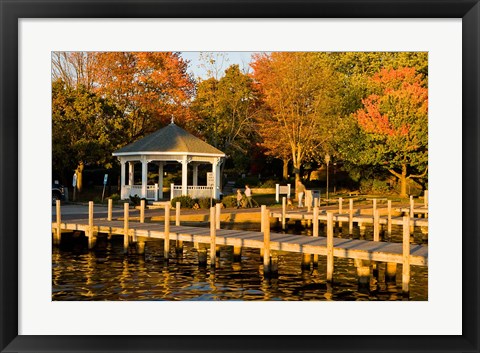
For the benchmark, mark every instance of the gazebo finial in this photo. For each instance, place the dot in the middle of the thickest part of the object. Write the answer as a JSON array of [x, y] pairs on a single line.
[[172, 120]]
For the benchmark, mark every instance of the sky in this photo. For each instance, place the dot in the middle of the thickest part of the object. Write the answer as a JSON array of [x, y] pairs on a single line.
[[242, 58]]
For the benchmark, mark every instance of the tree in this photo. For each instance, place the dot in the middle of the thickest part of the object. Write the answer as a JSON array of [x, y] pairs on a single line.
[[148, 88], [299, 93], [86, 129], [75, 69], [392, 126], [225, 110]]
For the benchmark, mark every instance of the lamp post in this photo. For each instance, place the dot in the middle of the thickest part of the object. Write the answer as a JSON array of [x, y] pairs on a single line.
[[327, 160]]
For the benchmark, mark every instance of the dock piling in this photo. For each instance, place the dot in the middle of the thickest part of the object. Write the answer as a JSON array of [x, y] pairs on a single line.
[[109, 212], [166, 247], [389, 219], [178, 206], [213, 234], [217, 215], [329, 247], [406, 256], [262, 220], [58, 233], [266, 242], [284, 212], [376, 226], [142, 211], [350, 216], [126, 240], [315, 233], [91, 237], [340, 211]]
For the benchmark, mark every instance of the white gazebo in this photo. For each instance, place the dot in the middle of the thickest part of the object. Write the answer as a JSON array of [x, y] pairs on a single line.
[[170, 144]]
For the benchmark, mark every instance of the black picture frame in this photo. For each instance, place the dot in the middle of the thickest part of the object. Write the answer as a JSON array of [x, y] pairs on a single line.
[[12, 11]]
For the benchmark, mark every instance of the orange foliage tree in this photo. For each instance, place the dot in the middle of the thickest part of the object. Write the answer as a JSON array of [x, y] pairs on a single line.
[[148, 87], [298, 90], [393, 126]]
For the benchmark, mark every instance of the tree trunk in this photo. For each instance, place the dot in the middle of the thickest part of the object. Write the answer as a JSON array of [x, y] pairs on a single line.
[[285, 169], [403, 182]]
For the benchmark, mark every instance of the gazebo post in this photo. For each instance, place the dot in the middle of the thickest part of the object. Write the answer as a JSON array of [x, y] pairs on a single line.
[[160, 180], [131, 172], [122, 179], [195, 174], [184, 175], [144, 177]]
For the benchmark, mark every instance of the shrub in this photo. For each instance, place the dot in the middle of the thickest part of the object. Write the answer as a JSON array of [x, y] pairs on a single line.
[[270, 183], [374, 186], [115, 197], [135, 200], [185, 201], [230, 201], [205, 202]]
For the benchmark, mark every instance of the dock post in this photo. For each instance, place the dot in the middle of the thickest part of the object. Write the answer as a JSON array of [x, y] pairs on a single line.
[[125, 228], [109, 212], [340, 211], [363, 274], [217, 215], [315, 233], [141, 247], [166, 247], [142, 211], [179, 243], [411, 214], [306, 261], [213, 234], [376, 226], [284, 212], [58, 232], [350, 216], [389, 220], [329, 247], [406, 256], [391, 274], [237, 253], [425, 198], [262, 221], [178, 206], [374, 206], [266, 243], [363, 229], [91, 237]]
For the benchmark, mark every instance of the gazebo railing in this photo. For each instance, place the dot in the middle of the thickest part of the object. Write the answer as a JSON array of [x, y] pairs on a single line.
[[195, 192], [152, 191]]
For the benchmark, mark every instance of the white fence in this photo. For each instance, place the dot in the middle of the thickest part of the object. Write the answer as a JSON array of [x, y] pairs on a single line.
[[195, 192], [152, 191]]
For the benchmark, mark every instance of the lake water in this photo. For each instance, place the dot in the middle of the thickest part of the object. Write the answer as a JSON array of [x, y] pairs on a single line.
[[108, 275]]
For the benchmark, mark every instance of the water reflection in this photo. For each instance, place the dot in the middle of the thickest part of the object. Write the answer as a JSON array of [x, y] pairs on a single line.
[[106, 274]]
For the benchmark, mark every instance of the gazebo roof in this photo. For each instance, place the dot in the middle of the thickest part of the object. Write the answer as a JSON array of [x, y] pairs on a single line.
[[168, 140]]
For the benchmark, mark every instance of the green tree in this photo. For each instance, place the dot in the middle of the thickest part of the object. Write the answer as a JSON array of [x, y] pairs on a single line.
[[86, 128], [225, 110]]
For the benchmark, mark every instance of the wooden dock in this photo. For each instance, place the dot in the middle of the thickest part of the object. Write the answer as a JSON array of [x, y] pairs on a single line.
[[361, 250], [347, 248], [378, 216]]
